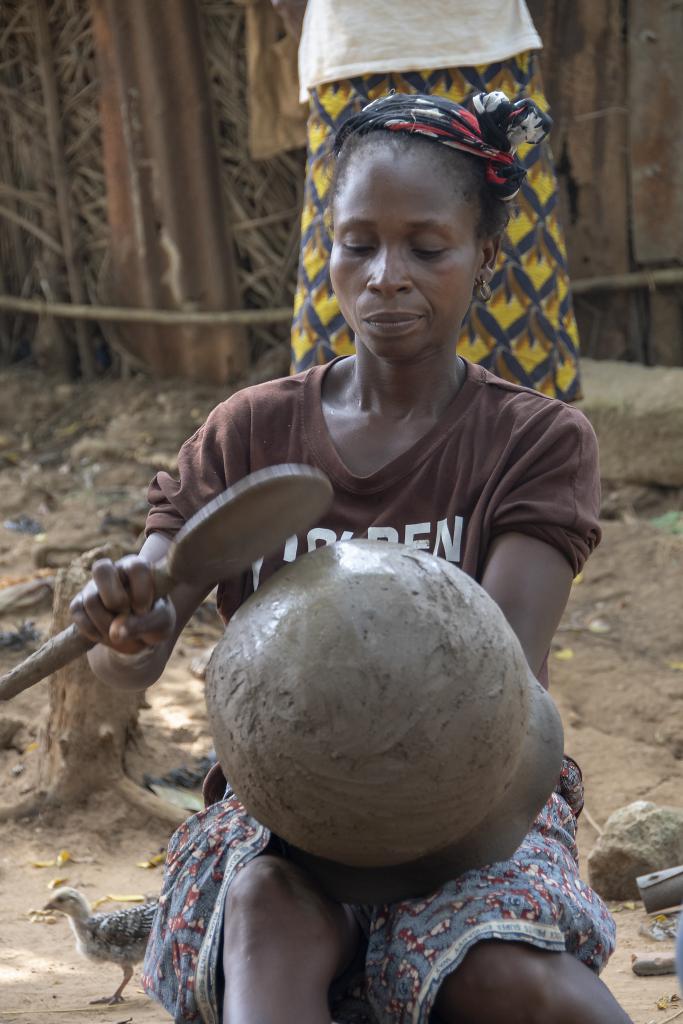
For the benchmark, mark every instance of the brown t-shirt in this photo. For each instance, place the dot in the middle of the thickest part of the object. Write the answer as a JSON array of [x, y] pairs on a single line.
[[502, 458]]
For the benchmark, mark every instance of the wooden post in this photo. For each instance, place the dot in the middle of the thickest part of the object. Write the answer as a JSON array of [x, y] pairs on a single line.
[[655, 34], [171, 246], [55, 142]]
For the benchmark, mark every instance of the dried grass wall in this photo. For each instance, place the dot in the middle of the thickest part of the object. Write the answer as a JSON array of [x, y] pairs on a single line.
[[31, 247], [263, 197]]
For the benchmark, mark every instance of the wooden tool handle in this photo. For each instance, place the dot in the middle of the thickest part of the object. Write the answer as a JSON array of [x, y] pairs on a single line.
[[59, 650]]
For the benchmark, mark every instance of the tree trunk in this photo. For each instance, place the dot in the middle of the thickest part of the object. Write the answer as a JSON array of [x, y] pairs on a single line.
[[83, 741]]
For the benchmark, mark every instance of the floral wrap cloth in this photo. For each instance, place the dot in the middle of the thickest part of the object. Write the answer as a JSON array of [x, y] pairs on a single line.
[[409, 947]]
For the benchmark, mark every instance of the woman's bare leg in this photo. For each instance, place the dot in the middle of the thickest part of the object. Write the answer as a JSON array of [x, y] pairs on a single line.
[[519, 984], [284, 942]]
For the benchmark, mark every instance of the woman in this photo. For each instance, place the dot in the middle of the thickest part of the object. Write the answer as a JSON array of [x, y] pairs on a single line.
[[350, 53], [425, 448]]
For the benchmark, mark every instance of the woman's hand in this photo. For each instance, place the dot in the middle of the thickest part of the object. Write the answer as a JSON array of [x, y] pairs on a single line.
[[120, 609]]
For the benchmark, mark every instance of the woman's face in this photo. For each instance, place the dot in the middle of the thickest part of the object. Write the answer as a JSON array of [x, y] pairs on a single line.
[[405, 253]]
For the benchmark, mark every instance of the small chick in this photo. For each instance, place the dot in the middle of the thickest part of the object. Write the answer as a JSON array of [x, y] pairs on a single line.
[[120, 937]]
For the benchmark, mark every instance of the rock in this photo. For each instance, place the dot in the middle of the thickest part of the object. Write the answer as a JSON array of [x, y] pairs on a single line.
[[637, 413], [651, 964], [9, 727], [637, 839]]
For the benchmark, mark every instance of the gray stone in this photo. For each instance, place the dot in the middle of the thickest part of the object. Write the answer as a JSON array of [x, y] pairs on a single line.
[[637, 413], [637, 839]]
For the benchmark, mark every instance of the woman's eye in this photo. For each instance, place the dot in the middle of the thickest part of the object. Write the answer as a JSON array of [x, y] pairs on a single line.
[[428, 254], [356, 248]]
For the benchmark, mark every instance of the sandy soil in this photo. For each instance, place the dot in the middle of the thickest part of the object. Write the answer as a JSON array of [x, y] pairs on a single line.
[[77, 461]]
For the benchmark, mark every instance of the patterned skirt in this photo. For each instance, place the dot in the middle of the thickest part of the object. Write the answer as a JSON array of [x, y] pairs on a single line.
[[527, 332], [408, 948]]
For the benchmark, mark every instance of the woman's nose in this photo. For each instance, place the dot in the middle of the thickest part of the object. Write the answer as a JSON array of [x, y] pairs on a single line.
[[388, 272]]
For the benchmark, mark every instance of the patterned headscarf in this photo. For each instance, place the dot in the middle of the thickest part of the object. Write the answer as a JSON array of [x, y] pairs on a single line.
[[492, 130]]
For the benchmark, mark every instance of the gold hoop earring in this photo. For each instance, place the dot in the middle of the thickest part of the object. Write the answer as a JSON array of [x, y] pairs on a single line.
[[483, 289]]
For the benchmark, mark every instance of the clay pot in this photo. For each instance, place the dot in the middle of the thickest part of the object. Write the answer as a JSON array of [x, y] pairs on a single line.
[[371, 705]]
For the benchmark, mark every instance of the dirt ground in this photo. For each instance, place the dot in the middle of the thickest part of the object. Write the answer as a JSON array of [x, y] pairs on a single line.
[[77, 461]]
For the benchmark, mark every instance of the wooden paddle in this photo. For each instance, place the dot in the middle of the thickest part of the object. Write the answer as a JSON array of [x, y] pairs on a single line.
[[247, 521]]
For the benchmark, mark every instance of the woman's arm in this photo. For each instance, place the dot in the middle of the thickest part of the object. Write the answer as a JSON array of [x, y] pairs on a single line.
[[134, 631], [530, 581]]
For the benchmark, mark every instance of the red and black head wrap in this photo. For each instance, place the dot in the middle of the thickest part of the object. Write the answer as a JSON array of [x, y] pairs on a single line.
[[492, 129]]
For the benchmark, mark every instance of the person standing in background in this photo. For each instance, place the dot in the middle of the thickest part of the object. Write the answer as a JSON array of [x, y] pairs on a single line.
[[352, 52]]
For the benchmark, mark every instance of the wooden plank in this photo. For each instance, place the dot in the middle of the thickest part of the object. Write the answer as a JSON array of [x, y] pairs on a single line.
[[584, 72], [585, 80], [665, 332], [655, 46]]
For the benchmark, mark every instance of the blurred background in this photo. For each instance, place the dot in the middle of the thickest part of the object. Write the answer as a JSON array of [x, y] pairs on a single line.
[[152, 156]]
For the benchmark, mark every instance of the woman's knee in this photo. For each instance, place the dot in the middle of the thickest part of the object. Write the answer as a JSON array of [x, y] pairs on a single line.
[[270, 898], [521, 984], [500, 980]]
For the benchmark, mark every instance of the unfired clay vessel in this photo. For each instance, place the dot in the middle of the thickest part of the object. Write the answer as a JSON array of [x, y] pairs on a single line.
[[371, 705]]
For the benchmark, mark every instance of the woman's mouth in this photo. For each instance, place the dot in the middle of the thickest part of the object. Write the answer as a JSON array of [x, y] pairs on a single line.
[[388, 323]]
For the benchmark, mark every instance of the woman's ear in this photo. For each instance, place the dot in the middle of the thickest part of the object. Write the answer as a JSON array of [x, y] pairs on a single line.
[[489, 255]]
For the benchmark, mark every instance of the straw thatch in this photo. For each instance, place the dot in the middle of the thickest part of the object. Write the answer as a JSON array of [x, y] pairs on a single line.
[[263, 197]]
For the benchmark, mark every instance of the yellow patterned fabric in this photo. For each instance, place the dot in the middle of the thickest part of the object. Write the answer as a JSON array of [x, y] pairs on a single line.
[[527, 333]]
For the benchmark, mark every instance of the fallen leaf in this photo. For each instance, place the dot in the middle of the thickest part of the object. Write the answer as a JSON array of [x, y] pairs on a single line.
[[31, 747], [56, 882], [578, 579], [664, 1002], [62, 857], [563, 654], [126, 899], [153, 862], [43, 863], [677, 666]]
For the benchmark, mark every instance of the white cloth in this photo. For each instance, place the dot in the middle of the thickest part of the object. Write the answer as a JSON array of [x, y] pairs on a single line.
[[344, 38]]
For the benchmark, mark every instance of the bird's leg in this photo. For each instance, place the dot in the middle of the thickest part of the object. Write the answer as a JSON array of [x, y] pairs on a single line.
[[117, 997]]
